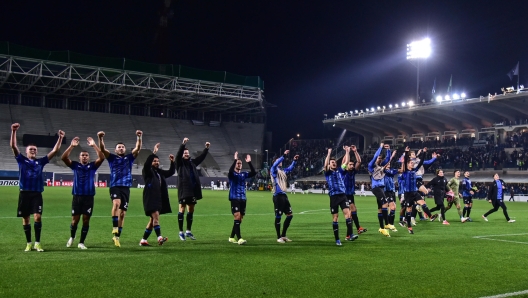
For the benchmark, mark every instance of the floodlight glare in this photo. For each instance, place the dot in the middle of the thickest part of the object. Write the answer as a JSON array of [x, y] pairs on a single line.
[[379, 108], [463, 95], [456, 96], [356, 111], [384, 107], [411, 103], [439, 98], [372, 109], [447, 97], [396, 105], [419, 49], [403, 104], [390, 106]]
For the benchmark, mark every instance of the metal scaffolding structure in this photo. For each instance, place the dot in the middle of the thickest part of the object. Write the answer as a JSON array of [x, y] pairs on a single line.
[[73, 81]]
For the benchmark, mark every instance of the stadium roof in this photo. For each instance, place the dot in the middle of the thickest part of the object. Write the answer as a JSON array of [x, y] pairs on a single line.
[[67, 74], [436, 118]]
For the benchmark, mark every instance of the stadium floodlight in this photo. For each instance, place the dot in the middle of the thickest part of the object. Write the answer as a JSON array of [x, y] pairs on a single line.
[[439, 98], [463, 95], [361, 111], [416, 51], [419, 49], [390, 106], [447, 97], [403, 104], [379, 108], [410, 103], [356, 111], [384, 107], [372, 109], [396, 105], [456, 96]]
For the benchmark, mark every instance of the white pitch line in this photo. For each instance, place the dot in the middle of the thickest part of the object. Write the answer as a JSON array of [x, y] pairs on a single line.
[[507, 294], [487, 237]]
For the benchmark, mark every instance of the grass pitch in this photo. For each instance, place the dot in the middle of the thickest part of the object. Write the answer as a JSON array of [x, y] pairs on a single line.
[[461, 260]]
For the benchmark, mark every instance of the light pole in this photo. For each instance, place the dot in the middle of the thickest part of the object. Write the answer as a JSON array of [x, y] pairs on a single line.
[[417, 50]]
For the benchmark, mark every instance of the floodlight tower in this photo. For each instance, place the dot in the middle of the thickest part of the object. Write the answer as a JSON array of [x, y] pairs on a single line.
[[416, 51]]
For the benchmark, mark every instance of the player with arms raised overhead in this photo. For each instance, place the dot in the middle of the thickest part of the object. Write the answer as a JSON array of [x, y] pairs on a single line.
[[237, 195], [155, 194], [189, 187], [120, 180], [31, 183], [83, 190], [349, 178], [338, 198], [280, 199]]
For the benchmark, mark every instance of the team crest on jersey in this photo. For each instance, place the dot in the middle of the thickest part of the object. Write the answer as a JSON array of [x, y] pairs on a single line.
[[114, 195], [73, 211], [36, 162]]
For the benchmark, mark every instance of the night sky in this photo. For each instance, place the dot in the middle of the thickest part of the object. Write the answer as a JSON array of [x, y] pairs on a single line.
[[315, 57]]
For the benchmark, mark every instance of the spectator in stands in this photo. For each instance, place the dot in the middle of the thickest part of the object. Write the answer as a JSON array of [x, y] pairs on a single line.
[[189, 188], [512, 194], [155, 194], [31, 183], [496, 198], [120, 180], [237, 195], [83, 188]]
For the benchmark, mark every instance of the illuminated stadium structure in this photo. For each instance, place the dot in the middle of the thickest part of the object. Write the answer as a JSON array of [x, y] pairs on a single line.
[[452, 118]]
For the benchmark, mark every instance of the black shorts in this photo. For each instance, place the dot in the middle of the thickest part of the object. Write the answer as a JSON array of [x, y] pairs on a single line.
[[336, 201], [468, 200], [390, 196], [419, 182], [188, 201], [29, 202], [82, 205], [411, 198], [122, 193], [238, 206], [380, 196], [281, 205], [350, 199]]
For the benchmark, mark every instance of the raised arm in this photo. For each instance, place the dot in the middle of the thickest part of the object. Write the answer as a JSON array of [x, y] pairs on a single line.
[[405, 159], [358, 158], [13, 142], [373, 161], [172, 169], [202, 156], [57, 145], [327, 159], [252, 172], [66, 155], [102, 147], [100, 155], [273, 169], [346, 157], [232, 168], [179, 155], [290, 168], [139, 141], [146, 172]]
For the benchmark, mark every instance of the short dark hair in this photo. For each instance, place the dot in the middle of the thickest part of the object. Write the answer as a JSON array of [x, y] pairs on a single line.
[[84, 151], [456, 171], [119, 143]]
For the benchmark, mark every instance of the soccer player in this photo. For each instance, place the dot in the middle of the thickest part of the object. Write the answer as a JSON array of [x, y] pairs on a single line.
[[496, 198], [362, 193], [237, 195], [155, 194], [292, 188], [411, 193], [439, 187], [338, 198], [377, 174], [349, 178], [390, 194], [281, 203], [31, 183], [120, 180], [467, 195], [189, 187], [83, 190], [454, 185]]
